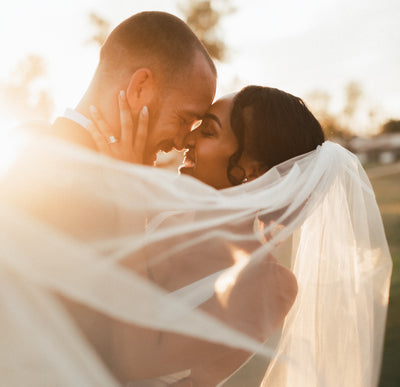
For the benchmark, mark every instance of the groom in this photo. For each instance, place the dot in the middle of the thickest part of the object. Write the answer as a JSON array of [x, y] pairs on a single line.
[[160, 63]]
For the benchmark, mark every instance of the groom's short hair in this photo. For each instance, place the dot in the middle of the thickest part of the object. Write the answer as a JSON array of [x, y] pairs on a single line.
[[157, 40]]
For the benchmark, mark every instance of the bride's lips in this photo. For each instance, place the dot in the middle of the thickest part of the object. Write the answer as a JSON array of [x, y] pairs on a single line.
[[188, 164]]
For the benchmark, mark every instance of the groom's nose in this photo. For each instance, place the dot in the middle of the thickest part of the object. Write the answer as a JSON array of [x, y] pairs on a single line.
[[189, 140], [179, 144], [187, 135], [181, 140]]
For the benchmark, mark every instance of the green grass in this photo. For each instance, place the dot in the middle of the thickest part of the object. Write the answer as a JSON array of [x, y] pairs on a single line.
[[387, 190]]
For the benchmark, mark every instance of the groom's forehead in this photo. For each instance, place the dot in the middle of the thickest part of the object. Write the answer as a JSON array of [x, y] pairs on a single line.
[[194, 101], [192, 108], [197, 84]]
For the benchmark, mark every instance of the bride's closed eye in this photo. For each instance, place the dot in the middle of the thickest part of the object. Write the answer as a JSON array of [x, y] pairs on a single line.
[[206, 129]]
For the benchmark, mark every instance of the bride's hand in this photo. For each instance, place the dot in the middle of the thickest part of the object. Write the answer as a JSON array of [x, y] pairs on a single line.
[[127, 148]]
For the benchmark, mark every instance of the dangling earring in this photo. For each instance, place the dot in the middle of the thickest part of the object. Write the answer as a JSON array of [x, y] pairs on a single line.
[[245, 180]]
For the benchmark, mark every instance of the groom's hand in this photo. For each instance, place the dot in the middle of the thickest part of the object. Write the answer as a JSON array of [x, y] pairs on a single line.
[[130, 147]]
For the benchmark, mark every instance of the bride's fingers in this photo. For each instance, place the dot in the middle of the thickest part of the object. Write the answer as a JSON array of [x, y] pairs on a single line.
[[141, 135], [101, 124], [122, 150], [126, 119], [99, 139]]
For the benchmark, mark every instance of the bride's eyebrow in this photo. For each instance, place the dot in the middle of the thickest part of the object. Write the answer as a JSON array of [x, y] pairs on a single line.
[[214, 118]]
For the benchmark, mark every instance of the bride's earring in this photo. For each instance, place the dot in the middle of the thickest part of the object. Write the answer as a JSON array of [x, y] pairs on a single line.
[[245, 180]]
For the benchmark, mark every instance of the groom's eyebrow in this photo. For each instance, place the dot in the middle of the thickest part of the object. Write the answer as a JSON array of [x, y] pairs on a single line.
[[214, 118]]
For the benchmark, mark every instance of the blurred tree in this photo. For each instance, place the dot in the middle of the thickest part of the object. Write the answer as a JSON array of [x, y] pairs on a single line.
[[353, 93], [204, 18], [352, 98], [101, 29], [319, 102], [391, 126], [23, 96], [332, 128]]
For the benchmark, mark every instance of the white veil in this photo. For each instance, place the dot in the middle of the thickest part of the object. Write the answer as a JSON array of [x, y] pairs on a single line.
[[148, 247]]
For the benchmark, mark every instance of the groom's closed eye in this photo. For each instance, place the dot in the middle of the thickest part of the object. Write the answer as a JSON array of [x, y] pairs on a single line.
[[192, 122]]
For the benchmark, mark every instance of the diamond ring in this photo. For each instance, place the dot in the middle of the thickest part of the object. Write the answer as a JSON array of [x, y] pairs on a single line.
[[111, 140]]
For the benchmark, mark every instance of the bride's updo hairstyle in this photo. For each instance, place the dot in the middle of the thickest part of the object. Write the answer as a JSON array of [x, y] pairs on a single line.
[[271, 126]]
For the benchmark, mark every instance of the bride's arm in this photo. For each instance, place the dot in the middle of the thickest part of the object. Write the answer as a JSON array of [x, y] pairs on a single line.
[[256, 304]]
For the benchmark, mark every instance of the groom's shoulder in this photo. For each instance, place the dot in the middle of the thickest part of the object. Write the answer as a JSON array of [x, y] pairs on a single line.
[[62, 128], [39, 126], [71, 131]]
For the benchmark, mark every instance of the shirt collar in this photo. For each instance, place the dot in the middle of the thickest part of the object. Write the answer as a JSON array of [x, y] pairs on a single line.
[[77, 117]]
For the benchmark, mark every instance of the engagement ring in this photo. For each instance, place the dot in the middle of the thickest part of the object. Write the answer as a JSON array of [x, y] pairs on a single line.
[[112, 140]]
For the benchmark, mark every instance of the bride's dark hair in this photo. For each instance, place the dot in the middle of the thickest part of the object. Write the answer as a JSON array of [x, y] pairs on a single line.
[[271, 126]]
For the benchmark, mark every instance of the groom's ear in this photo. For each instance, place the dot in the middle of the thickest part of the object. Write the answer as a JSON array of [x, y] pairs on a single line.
[[141, 89]]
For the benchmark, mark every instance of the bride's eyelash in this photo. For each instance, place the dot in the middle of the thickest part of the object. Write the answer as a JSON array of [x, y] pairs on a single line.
[[205, 129], [207, 133]]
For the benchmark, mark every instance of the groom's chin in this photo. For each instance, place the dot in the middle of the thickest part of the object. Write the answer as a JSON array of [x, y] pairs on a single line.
[[150, 159]]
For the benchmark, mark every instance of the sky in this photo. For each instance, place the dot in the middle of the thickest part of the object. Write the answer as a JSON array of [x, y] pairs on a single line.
[[296, 45]]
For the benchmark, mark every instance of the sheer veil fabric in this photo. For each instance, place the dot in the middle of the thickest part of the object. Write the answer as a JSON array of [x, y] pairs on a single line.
[[149, 247]]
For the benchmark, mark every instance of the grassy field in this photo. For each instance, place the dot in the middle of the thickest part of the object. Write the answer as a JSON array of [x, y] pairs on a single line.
[[387, 190]]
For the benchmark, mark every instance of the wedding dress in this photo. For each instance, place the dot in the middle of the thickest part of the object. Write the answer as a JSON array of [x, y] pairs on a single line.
[[78, 224]]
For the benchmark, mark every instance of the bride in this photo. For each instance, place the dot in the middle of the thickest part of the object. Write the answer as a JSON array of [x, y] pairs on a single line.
[[240, 139], [301, 238]]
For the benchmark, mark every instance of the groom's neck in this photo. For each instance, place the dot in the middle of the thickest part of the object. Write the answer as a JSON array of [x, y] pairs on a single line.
[[106, 101]]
